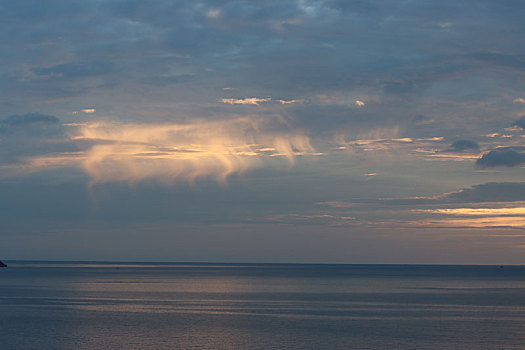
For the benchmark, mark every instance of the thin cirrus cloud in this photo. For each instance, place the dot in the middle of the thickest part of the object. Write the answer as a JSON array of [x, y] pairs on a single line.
[[245, 101], [476, 211], [256, 101], [85, 111], [130, 152], [508, 222], [489, 205], [385, 139]]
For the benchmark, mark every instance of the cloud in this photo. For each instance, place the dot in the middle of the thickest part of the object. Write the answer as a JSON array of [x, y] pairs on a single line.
[[502, 222], [506, 217], [339, 99], [28, 120], [32, 125], [131, 152], [245, 101], [494, 192], [256, 101], [519, 100], [30, 135], [520, 122], [489, 205], [463, 146], [285, 102], [421, 119], [74, 70], [313, 219], [86, 111], [487, 192], [476, 211], [503, 156], [385, 139]]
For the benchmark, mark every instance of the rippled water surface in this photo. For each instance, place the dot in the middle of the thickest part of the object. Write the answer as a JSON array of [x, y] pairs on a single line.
[[57, 305]]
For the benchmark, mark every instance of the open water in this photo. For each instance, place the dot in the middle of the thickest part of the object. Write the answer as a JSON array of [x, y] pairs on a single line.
[[59, 305]]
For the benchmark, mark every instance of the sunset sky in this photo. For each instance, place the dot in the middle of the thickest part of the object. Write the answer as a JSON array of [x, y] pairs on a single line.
[[275, 131]]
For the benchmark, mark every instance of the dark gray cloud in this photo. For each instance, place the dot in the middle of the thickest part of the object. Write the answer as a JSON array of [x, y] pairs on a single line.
[[422, 119], [31, 134], [503, 156], [30, 125], [489, 192], [520, 122], [463, 146], [486, 192], [74, 70], [482, 193], [29, 119]]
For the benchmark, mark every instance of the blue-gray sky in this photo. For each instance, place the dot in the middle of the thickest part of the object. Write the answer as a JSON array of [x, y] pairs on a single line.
[[276, 131]]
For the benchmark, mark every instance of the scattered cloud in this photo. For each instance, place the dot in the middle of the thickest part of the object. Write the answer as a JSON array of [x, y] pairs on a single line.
[[26, 126], [503, 156], [463, 146], [285, 102], [245, 101], [476, 211], [520, 123], [421, 119], [86, 111], [345, 100], [486, 192], [386, 139], [256, 101], [28, 120], [213, 13], [519, 100], [313, 219], [504, 222]]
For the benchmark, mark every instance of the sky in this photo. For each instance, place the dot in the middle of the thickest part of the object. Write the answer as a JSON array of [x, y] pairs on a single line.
[[276, 131]]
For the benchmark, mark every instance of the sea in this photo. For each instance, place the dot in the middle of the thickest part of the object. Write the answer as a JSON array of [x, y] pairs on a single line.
[[108, 305]]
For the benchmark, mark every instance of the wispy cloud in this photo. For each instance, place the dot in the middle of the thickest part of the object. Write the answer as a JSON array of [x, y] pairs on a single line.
[[476, 211], [131, 152], [509, 222], [347, 100], [385, 139], [245, 101], [85, 110], [313, 219], [287, 102], [257, 100]]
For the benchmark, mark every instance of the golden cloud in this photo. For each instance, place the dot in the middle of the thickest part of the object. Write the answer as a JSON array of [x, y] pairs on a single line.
[[131, 152], [476, 211]]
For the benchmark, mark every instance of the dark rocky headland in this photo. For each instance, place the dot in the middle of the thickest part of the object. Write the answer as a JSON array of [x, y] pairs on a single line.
[[2, 264]]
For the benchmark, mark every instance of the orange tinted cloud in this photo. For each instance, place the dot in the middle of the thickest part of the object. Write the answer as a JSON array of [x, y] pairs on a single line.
[[132, 152]]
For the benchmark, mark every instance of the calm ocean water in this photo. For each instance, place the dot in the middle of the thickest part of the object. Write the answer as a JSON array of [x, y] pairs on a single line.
[[58, 305]]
